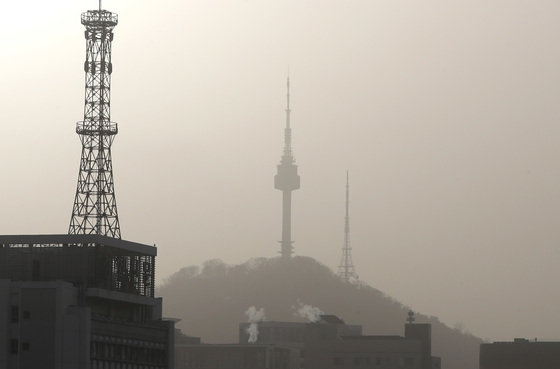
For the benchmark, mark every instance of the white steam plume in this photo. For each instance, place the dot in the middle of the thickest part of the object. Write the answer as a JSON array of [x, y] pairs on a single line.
[[254, 316], [311, 313]]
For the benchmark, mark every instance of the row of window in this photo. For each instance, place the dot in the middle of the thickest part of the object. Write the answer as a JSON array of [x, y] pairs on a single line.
[[14, 315], [218, 358], [403, 362], [99, 364], [14, 346], [125, 353], [101, 350]]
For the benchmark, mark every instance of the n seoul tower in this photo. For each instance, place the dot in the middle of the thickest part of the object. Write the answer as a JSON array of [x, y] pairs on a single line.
[[95, 207], [287, 180]]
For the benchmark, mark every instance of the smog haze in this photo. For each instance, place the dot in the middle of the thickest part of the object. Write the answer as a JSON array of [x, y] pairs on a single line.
[[445, 113]]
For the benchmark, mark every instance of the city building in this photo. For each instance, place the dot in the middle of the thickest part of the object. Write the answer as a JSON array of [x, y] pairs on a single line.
[[80, 301], [85, 300], [327, 346], [520, 354], [233, 356], [297, 333], [324, 344]]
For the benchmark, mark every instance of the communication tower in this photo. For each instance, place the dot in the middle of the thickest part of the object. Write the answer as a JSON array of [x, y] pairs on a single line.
[[85, 299], [95, 207], [287, 180], [346, 267]]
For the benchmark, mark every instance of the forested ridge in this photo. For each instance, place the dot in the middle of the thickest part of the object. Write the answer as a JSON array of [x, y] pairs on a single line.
[[211, 301]]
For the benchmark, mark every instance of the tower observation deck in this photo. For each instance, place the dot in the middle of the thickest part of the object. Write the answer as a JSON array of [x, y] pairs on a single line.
[[287, 180], [95, 207]]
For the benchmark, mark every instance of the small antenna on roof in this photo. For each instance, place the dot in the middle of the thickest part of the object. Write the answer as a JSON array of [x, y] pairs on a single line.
[[410, 319], [100, 6]]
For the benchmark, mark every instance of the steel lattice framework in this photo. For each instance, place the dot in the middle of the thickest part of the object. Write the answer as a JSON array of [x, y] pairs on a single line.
[[95, 207], [346, 268]]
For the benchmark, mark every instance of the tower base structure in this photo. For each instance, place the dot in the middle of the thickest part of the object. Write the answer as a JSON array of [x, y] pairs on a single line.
[[81, 302]]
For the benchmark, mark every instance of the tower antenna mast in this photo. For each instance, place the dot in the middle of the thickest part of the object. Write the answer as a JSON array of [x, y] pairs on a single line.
[[95, 207], [346, 268], [287, 180]]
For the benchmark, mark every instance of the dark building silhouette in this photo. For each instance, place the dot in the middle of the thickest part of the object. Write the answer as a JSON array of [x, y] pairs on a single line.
[[325, 344], [287, 180], [297, 332], [84, 300], [233, 356], [329, 347], [520, 354], [80, 301]]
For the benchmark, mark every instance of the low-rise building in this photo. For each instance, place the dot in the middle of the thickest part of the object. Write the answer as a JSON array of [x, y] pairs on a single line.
[[80, 302], [233, 356], [520, 354], [325, 349], [328, 343]]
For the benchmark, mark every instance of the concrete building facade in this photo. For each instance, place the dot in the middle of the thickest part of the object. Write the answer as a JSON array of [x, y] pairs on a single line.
[[233, 356], [520, 354], [328, 346], [271, 332], [328, 343], [80, 302]]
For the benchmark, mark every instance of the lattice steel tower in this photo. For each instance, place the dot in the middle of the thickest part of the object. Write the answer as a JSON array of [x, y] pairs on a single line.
[[95, 208], [287, 180], [346, 268]]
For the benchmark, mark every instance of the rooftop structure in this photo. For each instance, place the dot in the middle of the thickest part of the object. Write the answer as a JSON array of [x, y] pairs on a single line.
[[89, 261], [298, 332], [95, 206]]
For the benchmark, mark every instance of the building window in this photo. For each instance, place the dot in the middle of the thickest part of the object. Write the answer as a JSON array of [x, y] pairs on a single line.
[[14, 314], [14, 346], [359, 361], [383, 361], [35, 270], [338, 361]]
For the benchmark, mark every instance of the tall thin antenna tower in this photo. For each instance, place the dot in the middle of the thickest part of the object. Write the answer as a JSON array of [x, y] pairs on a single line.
[[95, 207], [346, 268], [287, 180]]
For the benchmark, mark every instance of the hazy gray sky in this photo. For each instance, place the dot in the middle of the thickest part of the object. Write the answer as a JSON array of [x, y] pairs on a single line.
[[445, 112]]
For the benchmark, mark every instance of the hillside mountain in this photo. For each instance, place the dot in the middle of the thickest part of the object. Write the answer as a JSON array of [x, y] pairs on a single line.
[[211, 301]]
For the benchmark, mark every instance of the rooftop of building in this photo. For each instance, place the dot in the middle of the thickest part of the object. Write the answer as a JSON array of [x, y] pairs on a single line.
[[80, 240], [91, 261], [373, 338], [524, 341]]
